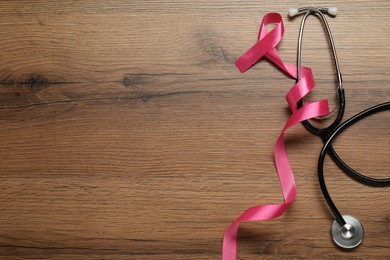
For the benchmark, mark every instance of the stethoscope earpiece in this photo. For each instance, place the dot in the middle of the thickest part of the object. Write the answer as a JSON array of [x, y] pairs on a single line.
[[350, 235], [294, 11], [332, 11]]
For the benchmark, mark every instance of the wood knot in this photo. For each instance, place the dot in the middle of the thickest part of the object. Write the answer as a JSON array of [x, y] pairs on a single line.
[[133, 80], [145, 98], [35, 81], [126, 81]]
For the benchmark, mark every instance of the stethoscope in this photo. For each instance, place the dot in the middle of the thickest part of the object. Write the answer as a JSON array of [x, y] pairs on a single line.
[[347, 231]]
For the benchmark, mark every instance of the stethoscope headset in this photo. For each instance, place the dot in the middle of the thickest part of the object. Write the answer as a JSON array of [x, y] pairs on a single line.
[[347, 231]]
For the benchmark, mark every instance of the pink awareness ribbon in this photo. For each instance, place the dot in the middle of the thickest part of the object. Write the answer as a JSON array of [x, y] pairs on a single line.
[[265, 46]]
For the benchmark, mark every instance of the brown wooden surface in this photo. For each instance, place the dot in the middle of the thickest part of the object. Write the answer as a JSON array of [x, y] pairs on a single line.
[[126, 132]]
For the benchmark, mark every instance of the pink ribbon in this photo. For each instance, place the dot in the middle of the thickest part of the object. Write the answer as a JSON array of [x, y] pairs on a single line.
[[265, 46]]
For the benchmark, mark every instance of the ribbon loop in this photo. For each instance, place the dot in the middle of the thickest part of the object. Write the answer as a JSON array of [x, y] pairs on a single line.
[[266, 42]]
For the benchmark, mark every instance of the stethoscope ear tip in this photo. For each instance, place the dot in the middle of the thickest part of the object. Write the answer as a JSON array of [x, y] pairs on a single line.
[[292, 12], [350, 235], [332, 11]]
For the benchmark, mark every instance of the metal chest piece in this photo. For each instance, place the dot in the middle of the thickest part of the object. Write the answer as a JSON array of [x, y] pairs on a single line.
[[350, 235]]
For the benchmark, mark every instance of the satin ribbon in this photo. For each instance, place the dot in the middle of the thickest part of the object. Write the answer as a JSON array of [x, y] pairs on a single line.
[[265, 47]]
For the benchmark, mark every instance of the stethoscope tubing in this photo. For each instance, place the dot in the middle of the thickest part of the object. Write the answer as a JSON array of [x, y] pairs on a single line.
[[328, 147]]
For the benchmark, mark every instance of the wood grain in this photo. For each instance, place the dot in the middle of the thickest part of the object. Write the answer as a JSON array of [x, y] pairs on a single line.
[[127, 133]]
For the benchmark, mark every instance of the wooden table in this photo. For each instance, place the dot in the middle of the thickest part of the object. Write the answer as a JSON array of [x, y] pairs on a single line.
[[128, 133]]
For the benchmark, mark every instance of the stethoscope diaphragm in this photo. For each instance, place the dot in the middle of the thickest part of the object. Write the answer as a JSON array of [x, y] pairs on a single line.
[[350, 235]]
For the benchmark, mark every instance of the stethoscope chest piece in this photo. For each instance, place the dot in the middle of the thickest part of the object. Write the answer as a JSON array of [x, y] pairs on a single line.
[[350, 235]]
